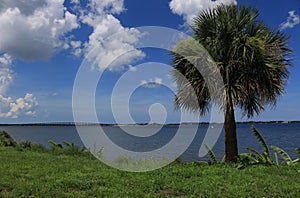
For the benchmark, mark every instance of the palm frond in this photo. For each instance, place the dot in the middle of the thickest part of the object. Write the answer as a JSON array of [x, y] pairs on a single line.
[[285, 156], [261, 140], [259, 157], [298, 152], [54, 144], [211, 154], [276, 159], [251, 57]]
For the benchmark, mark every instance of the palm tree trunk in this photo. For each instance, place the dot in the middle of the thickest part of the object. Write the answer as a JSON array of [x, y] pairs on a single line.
[[231, 149]]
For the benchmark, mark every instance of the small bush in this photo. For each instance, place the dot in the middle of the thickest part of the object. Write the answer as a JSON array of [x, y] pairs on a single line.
[[68, 148], [72, 149], [6, 140], [27, 145]]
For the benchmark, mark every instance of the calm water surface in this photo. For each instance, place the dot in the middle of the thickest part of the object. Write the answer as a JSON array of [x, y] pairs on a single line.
[[286, 136]]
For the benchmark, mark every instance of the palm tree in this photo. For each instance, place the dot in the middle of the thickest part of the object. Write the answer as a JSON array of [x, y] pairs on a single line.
[[251, 58]]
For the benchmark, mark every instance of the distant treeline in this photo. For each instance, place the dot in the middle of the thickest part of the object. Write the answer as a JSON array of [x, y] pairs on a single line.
[[141, 124]]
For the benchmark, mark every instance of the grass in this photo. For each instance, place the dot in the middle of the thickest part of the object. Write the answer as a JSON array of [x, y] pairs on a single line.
[[27, 173]]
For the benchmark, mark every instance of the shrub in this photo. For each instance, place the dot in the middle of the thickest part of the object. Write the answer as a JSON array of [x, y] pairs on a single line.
[[27, 145], [6, 140]]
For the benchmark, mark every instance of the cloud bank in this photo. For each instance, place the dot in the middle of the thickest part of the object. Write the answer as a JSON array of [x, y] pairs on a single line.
[[38, 29], [34, 30], [18, 107]]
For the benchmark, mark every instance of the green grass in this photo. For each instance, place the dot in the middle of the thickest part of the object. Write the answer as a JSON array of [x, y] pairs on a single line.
[[26, 173]]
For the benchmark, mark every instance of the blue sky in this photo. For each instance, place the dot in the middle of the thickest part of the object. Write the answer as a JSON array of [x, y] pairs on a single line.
[[44, 42]]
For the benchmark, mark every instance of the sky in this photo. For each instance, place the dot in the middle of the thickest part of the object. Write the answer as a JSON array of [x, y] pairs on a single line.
[[44, 43]]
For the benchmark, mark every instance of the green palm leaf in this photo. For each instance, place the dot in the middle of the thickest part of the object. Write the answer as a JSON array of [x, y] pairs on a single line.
[[261, 140], [285, 156], [211, 154], [259, 157]]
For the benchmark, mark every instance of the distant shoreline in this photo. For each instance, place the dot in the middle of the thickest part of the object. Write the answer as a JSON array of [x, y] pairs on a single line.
[[141, 124]]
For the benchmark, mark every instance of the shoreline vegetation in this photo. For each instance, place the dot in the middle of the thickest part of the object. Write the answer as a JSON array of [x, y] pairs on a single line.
[[40, 174], [143, 124], [66, 170]]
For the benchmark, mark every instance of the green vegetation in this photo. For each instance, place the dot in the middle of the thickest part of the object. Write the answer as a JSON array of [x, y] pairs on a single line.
[[6, 139], [41, 174], [256, 158], [31, 170], [250, 57]]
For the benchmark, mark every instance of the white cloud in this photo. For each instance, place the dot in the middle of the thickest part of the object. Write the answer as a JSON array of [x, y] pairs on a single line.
[[76, 47], [30, 30], [75, 1], [31, 113], [34, 30], [112, 44], [75, 44], [54, 94], [107, 6], [5, 60], [189, 9], [27, 7], [18, 107], [6, 77], [131, 68], [152, 82], [37, 29], [6, 74], [291, 21]]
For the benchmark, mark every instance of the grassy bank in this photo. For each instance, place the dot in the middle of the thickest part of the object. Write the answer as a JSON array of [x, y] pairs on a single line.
[[26, 173]]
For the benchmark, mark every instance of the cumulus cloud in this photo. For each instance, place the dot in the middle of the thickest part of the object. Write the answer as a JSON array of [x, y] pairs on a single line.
[[10, 108], [76, 48], [6, 73], [189, 9], [132, 68], [6, 77], [34, 29], [291, 21], [5, 60], [152, 82], [27, 7], [38, 29], [110, 44], [18, 107]]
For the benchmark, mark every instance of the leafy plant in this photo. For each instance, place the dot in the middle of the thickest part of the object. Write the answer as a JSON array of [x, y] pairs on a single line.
[[261, 140], [27, 145], [211, 154], [285, 156], [72, 149], [6, 140], [255, 157], [55, 145], [276, 159]]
